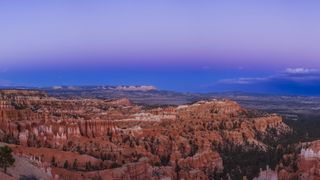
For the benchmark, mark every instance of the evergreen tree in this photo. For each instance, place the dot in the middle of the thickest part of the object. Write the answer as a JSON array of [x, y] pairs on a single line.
[[66, 164], [53, 161], [177, 169], [6, 158], [75, 164], [88, 166]]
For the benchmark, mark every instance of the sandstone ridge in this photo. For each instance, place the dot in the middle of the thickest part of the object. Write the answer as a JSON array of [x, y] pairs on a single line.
[[112, 139]]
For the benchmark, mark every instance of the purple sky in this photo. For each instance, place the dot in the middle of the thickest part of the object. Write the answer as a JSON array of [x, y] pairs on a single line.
[[231, 39]]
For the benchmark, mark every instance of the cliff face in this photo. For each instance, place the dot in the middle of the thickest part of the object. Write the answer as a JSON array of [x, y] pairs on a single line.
[[303, 165], [31, 116], [117, 138], [226, 121]]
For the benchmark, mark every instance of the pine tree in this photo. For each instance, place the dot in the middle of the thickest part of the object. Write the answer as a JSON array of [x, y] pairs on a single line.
[[53, 161], [75, 164], [177, 169], [6, 158], [66, 164], [88, 166]]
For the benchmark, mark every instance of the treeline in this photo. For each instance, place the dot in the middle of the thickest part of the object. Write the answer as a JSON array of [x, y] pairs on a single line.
[[305, 129], [240, 161]]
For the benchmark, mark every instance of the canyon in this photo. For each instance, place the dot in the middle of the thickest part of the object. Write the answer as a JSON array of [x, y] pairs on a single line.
[[88, 138]]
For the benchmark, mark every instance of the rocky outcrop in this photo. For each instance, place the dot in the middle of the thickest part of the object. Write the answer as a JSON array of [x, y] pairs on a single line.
[[140, 171], [267, 174], [116, 139], [209, 110], [203, 160], [264, 124], [95, 128], [302, 165]]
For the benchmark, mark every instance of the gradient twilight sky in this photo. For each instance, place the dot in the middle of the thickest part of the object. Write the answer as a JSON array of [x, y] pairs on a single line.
[[202, 46]]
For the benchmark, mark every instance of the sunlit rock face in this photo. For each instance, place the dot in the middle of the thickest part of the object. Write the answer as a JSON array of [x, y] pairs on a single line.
[[112, 139], [309, 161], [303, 165], [267, 174]]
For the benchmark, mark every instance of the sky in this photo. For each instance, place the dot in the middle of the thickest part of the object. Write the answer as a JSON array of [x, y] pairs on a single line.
[[189, 46]]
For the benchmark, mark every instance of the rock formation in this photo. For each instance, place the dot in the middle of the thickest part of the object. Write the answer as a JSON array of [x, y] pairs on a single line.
[[115, 139], [304, 165]]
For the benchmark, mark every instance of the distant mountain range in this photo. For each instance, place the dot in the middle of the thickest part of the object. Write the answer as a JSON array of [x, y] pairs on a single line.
[[287, 105], [138, 94]]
